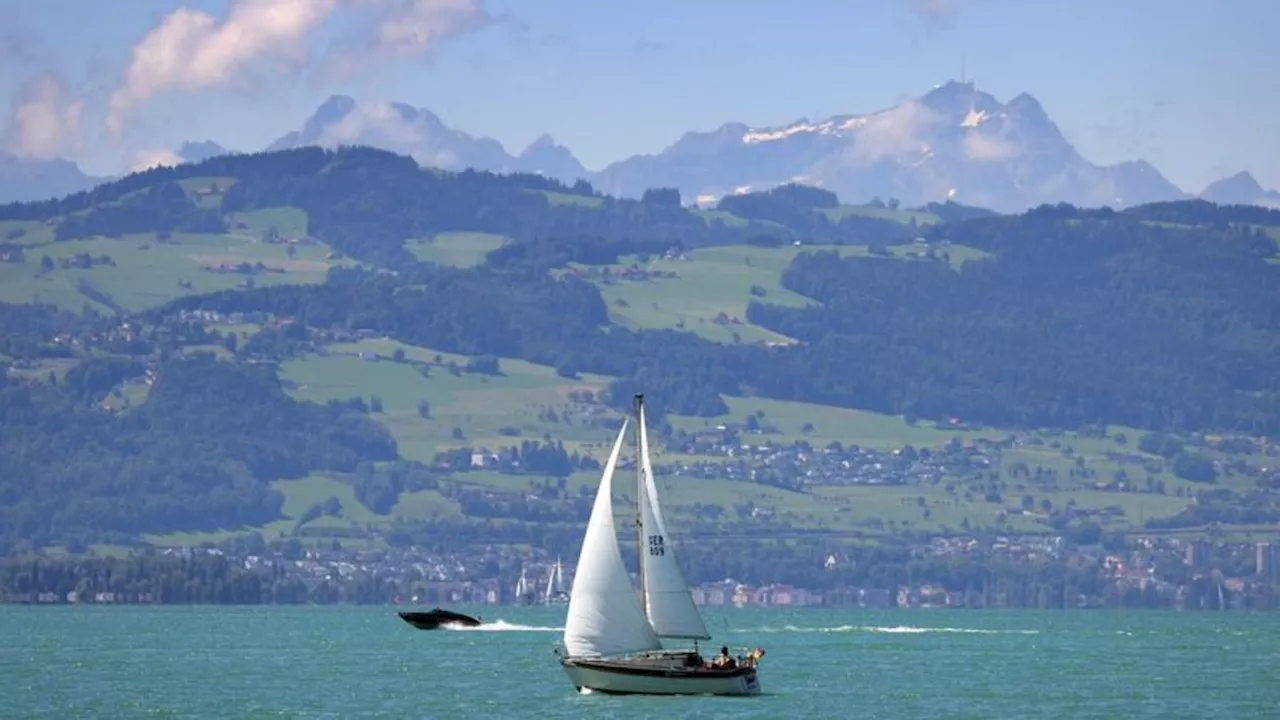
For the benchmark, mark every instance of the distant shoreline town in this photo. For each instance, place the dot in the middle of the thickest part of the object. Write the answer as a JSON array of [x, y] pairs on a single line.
[[1214, 576]]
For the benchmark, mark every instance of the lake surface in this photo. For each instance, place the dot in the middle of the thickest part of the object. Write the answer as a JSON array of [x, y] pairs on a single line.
[[364, 662]]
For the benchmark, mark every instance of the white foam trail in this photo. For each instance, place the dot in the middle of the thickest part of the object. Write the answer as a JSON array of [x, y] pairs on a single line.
[[974, 631], [501, 626], [903, 629]]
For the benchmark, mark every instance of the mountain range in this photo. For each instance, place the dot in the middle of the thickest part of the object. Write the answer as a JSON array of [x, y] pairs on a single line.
[[27, 180], [954, 142]]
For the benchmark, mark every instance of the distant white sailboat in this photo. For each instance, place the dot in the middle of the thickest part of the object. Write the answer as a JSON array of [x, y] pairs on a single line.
[[524, 593], [612, 636], [555, 593]]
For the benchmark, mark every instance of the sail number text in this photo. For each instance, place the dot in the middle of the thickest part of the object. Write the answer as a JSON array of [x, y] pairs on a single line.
[[655, 545]]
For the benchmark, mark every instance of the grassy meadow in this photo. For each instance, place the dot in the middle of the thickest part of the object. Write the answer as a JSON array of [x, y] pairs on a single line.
[[559, 198], [709, 282], [717, 282], [478, 406], [148, 271], [460, 249], [902, 215]]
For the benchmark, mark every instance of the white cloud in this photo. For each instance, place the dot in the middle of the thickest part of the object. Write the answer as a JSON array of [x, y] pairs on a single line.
[[153, 157], [190, 50], [379, 124], [369, 121], [902, 130], [988, 148], [46, 121], [404, 29]]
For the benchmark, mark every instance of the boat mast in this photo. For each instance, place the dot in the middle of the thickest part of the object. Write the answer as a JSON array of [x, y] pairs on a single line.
[[640, 499]]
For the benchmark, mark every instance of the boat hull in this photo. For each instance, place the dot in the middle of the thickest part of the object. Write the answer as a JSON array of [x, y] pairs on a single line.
[[434, 619], [644, 678]]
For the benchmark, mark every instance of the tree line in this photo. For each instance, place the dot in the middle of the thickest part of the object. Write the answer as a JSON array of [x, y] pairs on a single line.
[[197, 455]]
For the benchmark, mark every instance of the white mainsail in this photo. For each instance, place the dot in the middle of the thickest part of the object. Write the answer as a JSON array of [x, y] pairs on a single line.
[[604, 616], [555, 582], [668, 603]]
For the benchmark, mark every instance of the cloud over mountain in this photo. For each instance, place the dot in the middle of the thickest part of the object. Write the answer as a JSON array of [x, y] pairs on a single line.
[[190, 50], [45, 123], [420, 134], [149, 158], [953, 142]]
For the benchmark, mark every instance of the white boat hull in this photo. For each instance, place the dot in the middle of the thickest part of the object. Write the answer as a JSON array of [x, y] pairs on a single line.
[[624, 678]]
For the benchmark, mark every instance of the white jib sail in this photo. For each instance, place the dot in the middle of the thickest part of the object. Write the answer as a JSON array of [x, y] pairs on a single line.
[[668, 603], [604, 616]]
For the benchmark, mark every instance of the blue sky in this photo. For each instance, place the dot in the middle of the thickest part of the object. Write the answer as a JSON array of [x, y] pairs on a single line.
[[1191, 85]]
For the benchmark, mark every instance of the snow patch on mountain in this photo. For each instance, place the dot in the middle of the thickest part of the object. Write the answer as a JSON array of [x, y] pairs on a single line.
[[973, 118]]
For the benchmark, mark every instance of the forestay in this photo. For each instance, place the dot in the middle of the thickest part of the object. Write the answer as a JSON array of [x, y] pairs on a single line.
[[668, 603], [604, 616]]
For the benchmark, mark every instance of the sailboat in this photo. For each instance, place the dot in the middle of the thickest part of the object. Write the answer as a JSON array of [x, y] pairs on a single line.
[[524, 594], [613, 635], [555, 594]]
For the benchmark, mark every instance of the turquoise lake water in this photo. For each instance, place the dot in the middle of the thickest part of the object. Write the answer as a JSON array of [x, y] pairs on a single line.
[[364, 662]]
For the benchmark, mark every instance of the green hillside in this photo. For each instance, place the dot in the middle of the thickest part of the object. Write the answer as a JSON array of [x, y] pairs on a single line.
[[135, 271], [528, 401], [341, 346]]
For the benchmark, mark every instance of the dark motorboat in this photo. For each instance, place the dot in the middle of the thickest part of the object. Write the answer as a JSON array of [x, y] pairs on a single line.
[[433, 619]]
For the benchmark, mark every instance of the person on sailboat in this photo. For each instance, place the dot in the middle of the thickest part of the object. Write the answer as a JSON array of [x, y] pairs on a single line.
[[724, 660]]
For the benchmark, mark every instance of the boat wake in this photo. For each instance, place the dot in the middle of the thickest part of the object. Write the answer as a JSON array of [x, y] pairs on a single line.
[[501, 626], [901, 629]]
